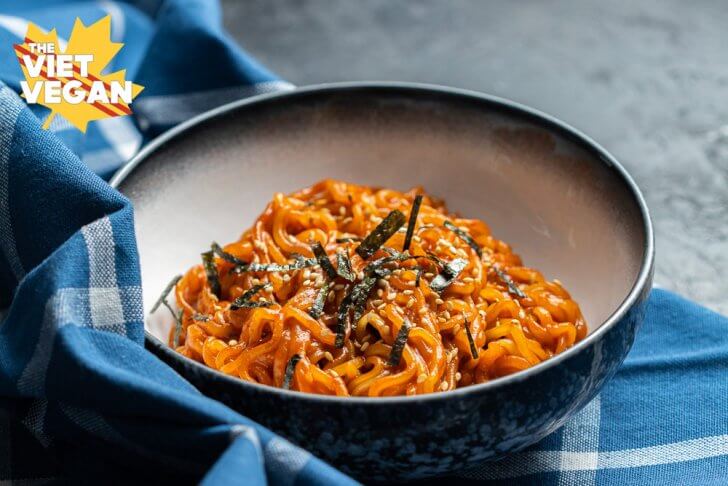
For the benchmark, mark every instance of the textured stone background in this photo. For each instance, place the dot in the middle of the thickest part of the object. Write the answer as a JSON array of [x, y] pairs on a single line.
[[648, 80]]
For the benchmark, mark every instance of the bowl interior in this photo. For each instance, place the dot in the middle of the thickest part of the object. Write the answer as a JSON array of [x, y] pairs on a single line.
[[550, 195]]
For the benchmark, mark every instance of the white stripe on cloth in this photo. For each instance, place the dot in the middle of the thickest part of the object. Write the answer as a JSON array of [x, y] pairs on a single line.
[[19, 26], [118, 22], [250, 435], [10, 108], [71, 306], [283, 461], [122, 136], [176, 108], [581, 434], [104, 296], [537, 462]]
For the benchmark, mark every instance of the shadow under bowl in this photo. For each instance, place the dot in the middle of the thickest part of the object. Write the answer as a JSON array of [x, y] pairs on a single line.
[[562, 202]]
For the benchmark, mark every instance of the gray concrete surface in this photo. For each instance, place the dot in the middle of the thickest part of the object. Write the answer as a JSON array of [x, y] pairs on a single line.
[[648, 80]]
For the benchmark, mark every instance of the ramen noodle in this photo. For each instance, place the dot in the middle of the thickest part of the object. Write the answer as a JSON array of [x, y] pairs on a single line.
[[344, 289]]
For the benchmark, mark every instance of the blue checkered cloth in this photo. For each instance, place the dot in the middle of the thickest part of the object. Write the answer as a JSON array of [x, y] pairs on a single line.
[[80, 398]]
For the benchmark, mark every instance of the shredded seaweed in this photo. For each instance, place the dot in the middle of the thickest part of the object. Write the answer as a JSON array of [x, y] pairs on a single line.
[[465, 237], [348, 239], [412, 222], [177, 324], [380, 234], [228, 257], [318, 305], [299, 263], [343, 267], [323, 259], [201, 317], [448, 274], [471, 341], [208, 261], [245, 302], [356, 300], [163, 298], [290, 368], [396, 354], [512, 287], [418, 277]]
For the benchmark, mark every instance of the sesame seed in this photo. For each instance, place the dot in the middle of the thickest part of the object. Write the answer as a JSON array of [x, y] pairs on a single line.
[[391, 296], [364, 346], [441, 319], [334, 373], [342, 210], [449, 305], [232, 342], [380, 292], [456, 329], [377, 302], [331, 296], [421, 378], [422, 310], [360, 275], [286, 278], [439, 301], [339, 287], [346, 220], [444, 386], [382, 283], [408, 292], [381, 306], [446, 314], [328, 356], [306, 274], [306, 282], [255, 281], [429, 274], [458, 376], [468, 279], [410, 303], [385, 329]]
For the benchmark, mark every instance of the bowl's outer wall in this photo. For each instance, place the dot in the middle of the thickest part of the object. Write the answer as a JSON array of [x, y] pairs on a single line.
[[556, 199], [423, 438]]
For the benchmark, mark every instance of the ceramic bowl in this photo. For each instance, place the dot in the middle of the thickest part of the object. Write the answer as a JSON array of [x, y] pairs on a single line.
[[563, 203]]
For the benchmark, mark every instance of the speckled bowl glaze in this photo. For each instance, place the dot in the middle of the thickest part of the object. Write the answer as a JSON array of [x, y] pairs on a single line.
[[566, 206]]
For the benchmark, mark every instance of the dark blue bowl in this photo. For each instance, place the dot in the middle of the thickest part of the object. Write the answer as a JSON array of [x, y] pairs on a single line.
[[563, 202]]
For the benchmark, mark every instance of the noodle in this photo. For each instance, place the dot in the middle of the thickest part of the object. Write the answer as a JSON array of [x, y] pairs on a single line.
[[379, 328]]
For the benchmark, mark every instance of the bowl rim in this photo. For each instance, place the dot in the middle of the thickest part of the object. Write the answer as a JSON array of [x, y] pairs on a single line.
[[501, 104]]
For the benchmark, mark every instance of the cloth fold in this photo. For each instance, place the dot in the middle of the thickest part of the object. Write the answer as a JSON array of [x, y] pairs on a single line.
[[82, 400]]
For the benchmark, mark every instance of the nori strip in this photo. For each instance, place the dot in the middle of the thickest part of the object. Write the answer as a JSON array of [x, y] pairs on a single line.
[[381, 234], [418, 277], [208, 261], [448, 274], [343, 267], [512, 287], [244, 302], [318, 305], [473, 348], [177, 324], [323, 259], [396, 354], [356, 300], [350, 239], [172, 283], [412, 221], [298, 264], [465, 237], [217, 249], [290, 368]]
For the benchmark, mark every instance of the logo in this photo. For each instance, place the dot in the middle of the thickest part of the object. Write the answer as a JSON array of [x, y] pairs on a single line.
[[68, 78]]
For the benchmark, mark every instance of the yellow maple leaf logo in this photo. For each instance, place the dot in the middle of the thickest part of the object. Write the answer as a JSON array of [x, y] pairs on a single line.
[[70, 81]]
